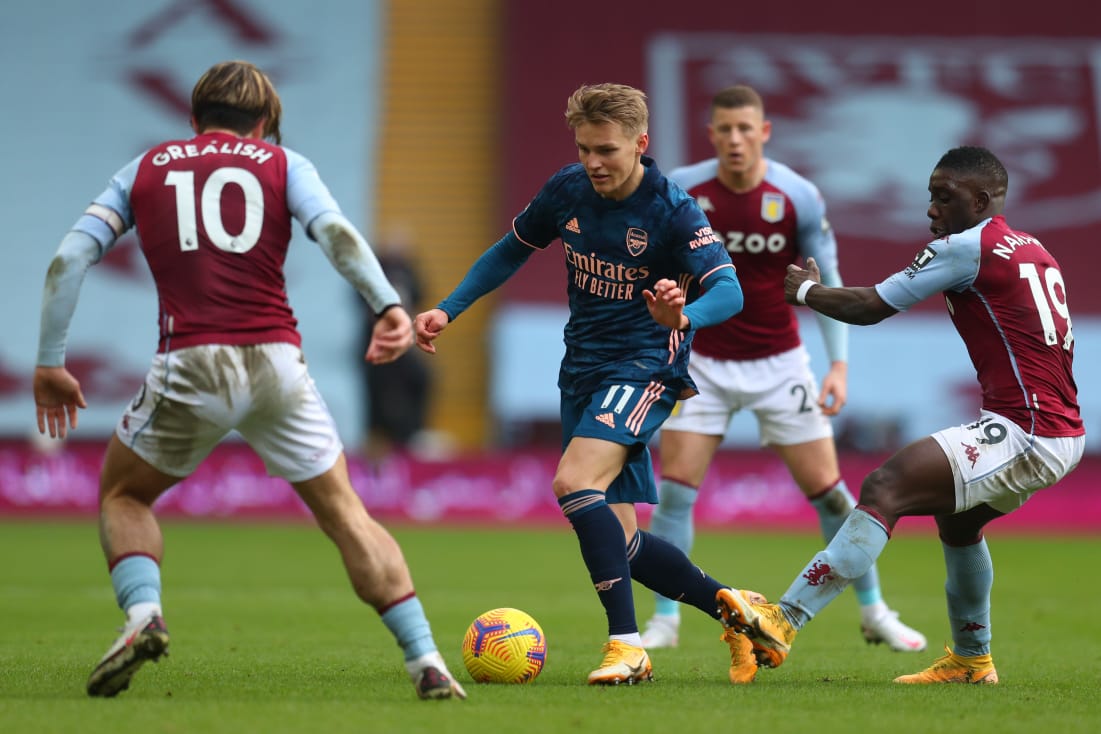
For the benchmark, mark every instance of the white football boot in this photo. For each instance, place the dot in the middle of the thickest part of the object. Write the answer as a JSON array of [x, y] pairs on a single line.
[[143, 638], [432, 679], [661, 631], [881, 624]]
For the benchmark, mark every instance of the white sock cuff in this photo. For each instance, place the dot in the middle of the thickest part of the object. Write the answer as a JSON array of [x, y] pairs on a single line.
[[141, 610], [416, 665]]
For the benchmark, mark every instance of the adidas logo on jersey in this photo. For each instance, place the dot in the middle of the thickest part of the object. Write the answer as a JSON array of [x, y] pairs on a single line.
[[607, 419], [573, 226]]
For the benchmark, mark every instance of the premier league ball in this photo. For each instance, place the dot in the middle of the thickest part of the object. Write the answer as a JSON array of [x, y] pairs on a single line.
[[504, 646]]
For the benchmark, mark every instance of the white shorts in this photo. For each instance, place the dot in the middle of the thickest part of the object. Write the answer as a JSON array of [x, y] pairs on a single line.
[[780, 390], [996, 462], [193, 397]]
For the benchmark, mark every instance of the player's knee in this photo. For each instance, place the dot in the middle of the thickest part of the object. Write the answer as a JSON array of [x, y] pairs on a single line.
[[563, 486], [880, 491]]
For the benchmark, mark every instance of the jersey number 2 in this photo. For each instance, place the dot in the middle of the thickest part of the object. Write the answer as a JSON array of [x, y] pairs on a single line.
[[210, 208]]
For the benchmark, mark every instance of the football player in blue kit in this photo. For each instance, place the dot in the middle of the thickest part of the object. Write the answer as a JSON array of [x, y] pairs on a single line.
[[632, 242]]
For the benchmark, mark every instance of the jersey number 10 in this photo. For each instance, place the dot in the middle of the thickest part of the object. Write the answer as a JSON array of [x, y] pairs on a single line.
[[210, 206]]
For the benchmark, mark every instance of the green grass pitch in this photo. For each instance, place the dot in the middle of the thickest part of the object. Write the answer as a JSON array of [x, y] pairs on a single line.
[[267, 636]]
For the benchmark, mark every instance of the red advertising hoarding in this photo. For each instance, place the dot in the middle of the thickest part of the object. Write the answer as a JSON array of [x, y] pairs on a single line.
[[744, 489]]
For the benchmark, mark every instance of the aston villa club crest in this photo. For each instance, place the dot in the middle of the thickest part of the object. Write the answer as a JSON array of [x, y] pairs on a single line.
[[637, 239], [772, 208]]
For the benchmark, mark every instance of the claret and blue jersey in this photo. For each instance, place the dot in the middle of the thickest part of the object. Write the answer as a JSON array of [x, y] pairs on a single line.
[[614, 250]]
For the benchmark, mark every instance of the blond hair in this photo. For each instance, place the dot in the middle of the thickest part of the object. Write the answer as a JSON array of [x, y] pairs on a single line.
[[609, 103], [236, 95]]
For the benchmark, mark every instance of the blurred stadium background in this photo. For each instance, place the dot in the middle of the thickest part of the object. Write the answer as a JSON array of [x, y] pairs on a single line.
[[440, 118]]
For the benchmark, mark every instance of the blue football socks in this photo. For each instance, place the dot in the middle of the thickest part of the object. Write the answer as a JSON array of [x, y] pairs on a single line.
[[136, 579], [970, 579], [848, 556], [406, 621], [833, 506], [664, 568], [672, 521], [600, 535]]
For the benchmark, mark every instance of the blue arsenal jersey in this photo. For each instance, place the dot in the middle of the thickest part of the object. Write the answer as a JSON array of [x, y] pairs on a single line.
[[614, 250]]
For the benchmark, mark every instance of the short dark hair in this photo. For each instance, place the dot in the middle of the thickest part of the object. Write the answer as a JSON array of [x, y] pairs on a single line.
[[978, 161], [739, 95]]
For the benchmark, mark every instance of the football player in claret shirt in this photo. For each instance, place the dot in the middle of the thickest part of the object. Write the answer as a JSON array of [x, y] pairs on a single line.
[[769, 217], [213, 214], [631, 241], [1007, 299]]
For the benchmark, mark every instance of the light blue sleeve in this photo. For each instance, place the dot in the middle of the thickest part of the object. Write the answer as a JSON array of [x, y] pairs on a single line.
[[835, 334], [688, 176], [815, 238], [110, 215], [948, 264], [94, 233], [307, 195], [315, 208], [353, 258], [78, 252], [814, 233]]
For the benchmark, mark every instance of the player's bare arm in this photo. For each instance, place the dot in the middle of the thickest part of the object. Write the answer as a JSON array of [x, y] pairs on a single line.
[[666, 303], [429, 325], [860, 306], [391, 337], [57, 397]]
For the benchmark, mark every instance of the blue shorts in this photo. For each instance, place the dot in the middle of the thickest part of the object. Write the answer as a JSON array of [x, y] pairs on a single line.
[[627, 413]]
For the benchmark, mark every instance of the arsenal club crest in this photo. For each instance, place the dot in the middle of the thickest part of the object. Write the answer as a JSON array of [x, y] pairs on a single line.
[[637, 239]]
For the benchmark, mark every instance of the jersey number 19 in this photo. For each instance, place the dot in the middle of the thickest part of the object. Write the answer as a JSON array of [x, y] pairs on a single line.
[[1053, 295]]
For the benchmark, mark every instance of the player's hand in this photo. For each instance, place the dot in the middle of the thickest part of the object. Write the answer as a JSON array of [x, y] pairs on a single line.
[[391, 336], [666, 304], [57, 396], [795, 277], [429, 325], [835, 389]]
